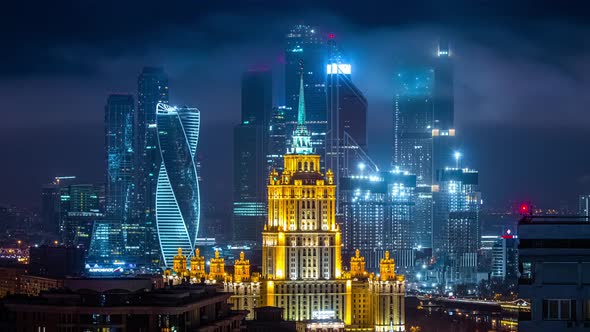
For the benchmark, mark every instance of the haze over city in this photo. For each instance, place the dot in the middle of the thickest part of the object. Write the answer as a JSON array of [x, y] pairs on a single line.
[[520, 83], [309, 166]]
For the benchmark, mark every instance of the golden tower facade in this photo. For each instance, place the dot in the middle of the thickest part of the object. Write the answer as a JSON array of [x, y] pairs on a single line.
[[217, 268], [198, 266], [301, 254], [179, 264], [242, 268], [357, 266]]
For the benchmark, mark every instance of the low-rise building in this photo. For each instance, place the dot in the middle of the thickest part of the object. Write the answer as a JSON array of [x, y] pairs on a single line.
[[189, 308], [554, 264]]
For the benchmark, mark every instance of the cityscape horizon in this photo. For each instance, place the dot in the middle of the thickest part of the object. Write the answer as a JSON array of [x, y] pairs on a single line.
[[300, 167]]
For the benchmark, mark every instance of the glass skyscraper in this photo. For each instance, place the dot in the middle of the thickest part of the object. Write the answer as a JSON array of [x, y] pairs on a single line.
[[412, 142], [106, 245], [377, 213], [177, 193], [249, 206], [307, 53], [443, 127], [277, 138], [119, 147], [456, 237], [412, 123], [347, 121], [50, 204], [152, 89], [256, 96], [251, 143]]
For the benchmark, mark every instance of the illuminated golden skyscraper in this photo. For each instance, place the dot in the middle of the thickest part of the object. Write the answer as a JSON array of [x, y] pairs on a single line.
[[301, 255], [301, 242]]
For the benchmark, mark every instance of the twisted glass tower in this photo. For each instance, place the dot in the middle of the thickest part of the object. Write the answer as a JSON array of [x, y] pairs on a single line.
[[177, 191]]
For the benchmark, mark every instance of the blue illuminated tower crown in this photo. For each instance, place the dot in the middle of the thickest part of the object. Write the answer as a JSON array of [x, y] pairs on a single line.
[[301, 138]]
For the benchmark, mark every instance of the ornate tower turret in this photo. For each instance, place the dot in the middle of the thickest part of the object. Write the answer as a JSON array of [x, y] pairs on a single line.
[[387, 267], [357, 266], [179, 263], [241, 268], [198, 265], [217, 267]]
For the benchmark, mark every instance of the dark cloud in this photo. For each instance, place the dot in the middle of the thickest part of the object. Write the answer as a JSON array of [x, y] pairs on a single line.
[[522, 77]]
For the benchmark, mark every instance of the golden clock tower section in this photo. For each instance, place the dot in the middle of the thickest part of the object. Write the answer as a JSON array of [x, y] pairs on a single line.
[[301, 240]]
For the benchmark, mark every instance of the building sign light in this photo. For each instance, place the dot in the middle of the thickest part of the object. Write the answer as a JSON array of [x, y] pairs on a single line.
[[339, 68], [323, 314]]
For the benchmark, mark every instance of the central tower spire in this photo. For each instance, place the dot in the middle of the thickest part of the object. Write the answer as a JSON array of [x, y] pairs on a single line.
[[301, 109], [301, 143]]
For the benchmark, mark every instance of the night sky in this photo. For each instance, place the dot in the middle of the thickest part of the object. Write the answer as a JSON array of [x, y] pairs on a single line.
[[522, 82]]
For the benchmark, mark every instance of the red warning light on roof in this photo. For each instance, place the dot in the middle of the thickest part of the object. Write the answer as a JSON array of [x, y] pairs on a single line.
[[507, 235], [331, 36], [524, 208]]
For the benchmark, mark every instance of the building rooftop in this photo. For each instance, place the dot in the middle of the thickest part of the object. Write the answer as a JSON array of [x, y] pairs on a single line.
[[168, 297], [566, 233]]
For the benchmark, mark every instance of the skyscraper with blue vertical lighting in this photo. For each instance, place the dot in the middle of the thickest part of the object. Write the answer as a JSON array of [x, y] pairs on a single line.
[[177, 191]]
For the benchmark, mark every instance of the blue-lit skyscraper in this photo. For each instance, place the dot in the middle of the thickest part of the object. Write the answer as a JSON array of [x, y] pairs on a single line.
[[457, 202], [412, 123], [377, 213], [443, 127], [107, 243], [177, 193], [412, 142], [152, 88], [346, 140], [119, 147]]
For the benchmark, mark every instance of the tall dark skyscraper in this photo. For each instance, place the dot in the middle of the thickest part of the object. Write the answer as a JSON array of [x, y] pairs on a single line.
[[277, 138], [347, 121], [50, 201], [424, 132], [444, 100], [257, 96], [412, 123], [307, 53], [251, 143], [152, 89], [119, 152], [249, 207], [443, 128], [412, 143]]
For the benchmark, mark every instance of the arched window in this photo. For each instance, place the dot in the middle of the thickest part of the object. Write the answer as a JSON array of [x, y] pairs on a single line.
[[311, 166]]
